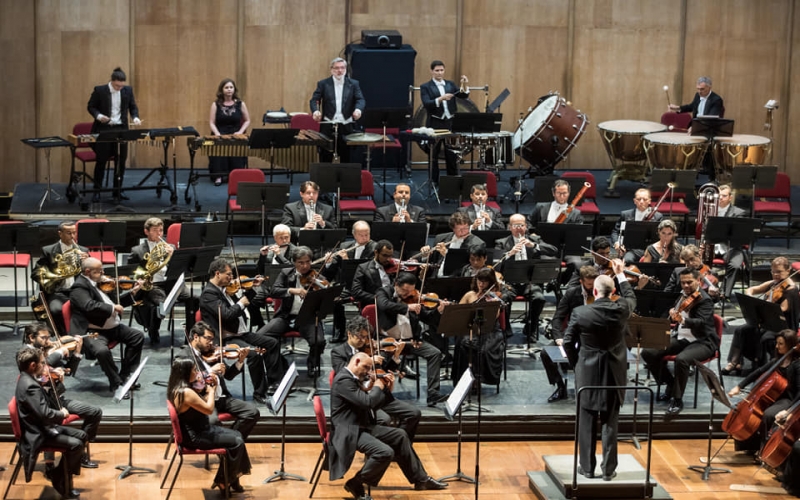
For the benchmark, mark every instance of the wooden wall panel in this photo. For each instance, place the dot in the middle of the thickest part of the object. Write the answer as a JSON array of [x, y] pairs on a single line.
[[18, 84], [789, 112]]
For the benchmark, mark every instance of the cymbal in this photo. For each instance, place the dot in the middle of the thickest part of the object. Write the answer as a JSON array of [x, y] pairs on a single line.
[[363, 137]]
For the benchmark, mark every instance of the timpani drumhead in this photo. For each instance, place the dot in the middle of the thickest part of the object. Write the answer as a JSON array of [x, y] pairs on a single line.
[[642, 127]]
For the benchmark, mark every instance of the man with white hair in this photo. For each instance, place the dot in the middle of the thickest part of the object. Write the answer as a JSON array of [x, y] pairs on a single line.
[[337, 99], [705, 101]]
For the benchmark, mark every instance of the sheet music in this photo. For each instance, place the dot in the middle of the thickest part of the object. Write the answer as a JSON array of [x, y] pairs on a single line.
[[168, 304], [459, 393]]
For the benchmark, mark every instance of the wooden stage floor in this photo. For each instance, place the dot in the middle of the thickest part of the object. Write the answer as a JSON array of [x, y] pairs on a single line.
[[503, 473]]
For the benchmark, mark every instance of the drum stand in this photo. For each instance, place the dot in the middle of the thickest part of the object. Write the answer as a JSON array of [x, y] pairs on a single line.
[[433, 189], [48, 190]]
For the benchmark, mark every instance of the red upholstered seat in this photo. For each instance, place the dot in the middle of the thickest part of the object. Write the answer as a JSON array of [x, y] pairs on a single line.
[[491, 190], [304, 121], [174, 234], [325, 436], [105, 255], [360, 202], [776, 202], [678, 121]]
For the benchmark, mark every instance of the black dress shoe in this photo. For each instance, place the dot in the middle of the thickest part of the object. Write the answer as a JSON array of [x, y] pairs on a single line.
[[87, 463], [431, 484], [409, 373], [675, 407], [609, 477], [96, 198], [71, 494], [258, 398], [355, 487], [587, 475], [436, 398], [236, 486], [561, 393], [663, 397]]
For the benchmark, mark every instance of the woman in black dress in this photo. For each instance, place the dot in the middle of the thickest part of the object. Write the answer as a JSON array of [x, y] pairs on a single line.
[[666, 249], [229, 115], [193, 407]]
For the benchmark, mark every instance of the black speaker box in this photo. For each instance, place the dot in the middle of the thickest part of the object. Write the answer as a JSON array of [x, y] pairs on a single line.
[[384, 74], [373, 39]]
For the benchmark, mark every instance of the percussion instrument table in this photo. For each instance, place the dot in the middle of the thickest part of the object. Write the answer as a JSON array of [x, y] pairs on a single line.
[[47, 143]]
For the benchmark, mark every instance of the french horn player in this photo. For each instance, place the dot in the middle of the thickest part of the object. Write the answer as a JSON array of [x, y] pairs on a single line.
[[57, 267]]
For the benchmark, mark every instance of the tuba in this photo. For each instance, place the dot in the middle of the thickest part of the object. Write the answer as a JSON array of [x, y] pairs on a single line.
[[155, 260], [708, 206], [68, 265]]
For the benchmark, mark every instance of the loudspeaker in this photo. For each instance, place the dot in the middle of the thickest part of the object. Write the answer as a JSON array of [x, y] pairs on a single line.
[[381, 38], [384, 74]]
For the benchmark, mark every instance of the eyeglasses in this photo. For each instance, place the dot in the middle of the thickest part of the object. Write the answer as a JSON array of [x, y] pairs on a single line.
[[210, 338], [517, 225]]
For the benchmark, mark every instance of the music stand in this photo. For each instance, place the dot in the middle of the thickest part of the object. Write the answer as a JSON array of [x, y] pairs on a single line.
[[658, 270], [718, 393], [118, 137], [203, 234], [316, 306], [711, 127], [168, 306], [752, 177], [654, 303], [534, 271], [47, 143], [648, 333], [101, 235], [336, 178], [320, 240], [638, 235], [271, 272], [455, 259], [129, 469], [413, 234], [472, 123], [17, 238], [569, 238], [761, 314], [683, 180], [451, 406], [383, 118], [276, 403], [458, 187], [735, 232], [449, 288], [495, 105], [348, 270], [262, 195], [272, 138]]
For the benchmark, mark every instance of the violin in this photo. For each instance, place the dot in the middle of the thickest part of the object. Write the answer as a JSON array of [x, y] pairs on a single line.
[[779, 289], [313, 281], [686, 305], [243, 282], [707, 278], [108, 284], [69, 342], [229, 351], [369, 383]]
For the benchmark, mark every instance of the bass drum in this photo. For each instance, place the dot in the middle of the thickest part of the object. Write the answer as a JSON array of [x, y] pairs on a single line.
[[420, 118]]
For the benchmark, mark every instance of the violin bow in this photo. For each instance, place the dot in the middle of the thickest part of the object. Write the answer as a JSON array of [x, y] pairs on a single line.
[[50, 316]]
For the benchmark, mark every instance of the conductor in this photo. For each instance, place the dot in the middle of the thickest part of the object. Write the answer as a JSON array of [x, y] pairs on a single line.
[[595, 345], [337, 99]]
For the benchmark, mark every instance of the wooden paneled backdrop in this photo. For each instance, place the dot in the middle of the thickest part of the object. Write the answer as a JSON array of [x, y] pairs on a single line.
[[610, 58]]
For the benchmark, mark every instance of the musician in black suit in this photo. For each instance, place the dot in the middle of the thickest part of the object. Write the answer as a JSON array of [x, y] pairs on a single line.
[[358, 335], [705, 101], [93, 309], [459, 237], [549, 211], [277, 254], [733, 257], [267, 369], [480, 216], [690, 255], [595, 345], [109, 105], [642, 209], [693, 338], [354, 428], [372, 275], [201, 348], [401, 210], [337, 98], [438, 99], [48, 263], [41, 427], [64, 361], [306, 213]]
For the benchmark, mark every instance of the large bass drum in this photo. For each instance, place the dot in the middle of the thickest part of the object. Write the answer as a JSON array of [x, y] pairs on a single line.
[[738, 149], [675, 150], [548, 133], [420, 119]]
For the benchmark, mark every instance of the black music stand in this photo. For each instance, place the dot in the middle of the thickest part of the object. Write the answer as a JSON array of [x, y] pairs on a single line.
[[336, 178], [47, 143], [569, 238], [640, 234], [203, 234], [275, 404], [760, 313], [449, 288], [534, 271], [317, 305], [661, 271], [321, 240], [710, 127], [193, 263], [752, 177], [458, 187], [455, 259], [264, 196], [383, 118], [129, 469], [118, 137], [735, 232], [718, 393], [102, 235], [654, 303], [683, 181], [648, 333], [413, 234], [472, 123], [17, 238], [451, 407], [272, 138]]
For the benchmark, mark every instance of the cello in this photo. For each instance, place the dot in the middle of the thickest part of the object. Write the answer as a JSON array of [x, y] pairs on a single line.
[[779, 444]]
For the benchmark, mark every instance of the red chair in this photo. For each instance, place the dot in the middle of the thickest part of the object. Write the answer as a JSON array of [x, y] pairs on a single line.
[[83, 151], [234, 178], [16, 260], [352, 202], [370, 314], [588, 204], [304, 122], [106, 255], [719, 326], [174, 234], [325, 436], [182, 450], [677, 205], [13, 414], [291, 334], [678, 122], [779, 203], [491, 190]]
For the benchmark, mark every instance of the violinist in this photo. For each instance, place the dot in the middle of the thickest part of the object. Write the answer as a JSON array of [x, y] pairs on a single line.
[[37, 336], [477, 261], [201, 347], [481, 217], [358, 336], [372, 275], [666, 249], [574, 296], [600, 260], [354, 428], [490, 347], [789, 369], [307, 213], [751, 341], [277, 254], [401, 210], [290, 288], [401, 320], [459, 237], [266, 370], [691, 258], [549, 211], [694, 338], [640, 212], [93, 309]]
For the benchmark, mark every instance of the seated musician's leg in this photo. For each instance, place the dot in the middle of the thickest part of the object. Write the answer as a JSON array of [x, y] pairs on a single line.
[[695, 351], [433, 359], [246, 414], [553, 377], [98, 348], [132, 340], [733, 264], [378, 457]]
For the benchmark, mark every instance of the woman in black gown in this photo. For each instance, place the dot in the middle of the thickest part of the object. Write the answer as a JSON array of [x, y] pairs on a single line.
[[666, 249], [229, 115], [193, 409]]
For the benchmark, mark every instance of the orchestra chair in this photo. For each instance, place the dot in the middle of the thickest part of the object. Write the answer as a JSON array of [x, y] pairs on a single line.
[[182, 450], [221, 417], [369, 312], [676, 207], [198, 318], [234, 178], [291, 334], [68, 420], [22, 260], [13, 415], [66, 312], [359, 202], [304, 121], [588, 204], [84, 152], [719, 326], [677, 122], [393, 147], [776, 202], [174, 234], [491, 190], [325, 436], [106, 255]]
